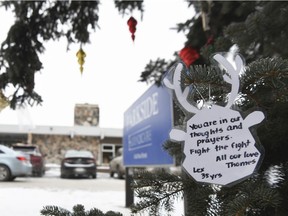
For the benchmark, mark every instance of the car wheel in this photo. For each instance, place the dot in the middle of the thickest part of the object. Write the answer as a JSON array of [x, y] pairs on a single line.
[[12, 178], [119, 174], [5, 174], [94, 176], [41, 172], [38, 173], [111, 174]]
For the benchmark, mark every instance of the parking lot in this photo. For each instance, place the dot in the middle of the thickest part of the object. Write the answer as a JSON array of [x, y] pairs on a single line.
[[50, 180], [27, 196]]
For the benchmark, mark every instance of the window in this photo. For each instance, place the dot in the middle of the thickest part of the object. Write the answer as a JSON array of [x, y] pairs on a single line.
[[107, 147], [108, 151]]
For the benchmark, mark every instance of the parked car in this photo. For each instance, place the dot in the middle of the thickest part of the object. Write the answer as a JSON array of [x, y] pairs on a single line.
[[36, 158], [116, 165], [78, 163], [13, 164]]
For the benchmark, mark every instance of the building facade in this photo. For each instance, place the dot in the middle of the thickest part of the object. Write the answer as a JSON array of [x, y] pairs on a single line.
[[54, 141]]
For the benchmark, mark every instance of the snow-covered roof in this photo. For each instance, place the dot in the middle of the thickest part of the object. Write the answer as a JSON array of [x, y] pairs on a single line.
[[63, 130]]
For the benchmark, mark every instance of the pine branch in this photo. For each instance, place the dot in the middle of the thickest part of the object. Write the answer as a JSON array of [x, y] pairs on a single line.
[[206, 84], [251, 197], [55, 211], [156, 190], [269, 75], [154, 71], [78, 210]]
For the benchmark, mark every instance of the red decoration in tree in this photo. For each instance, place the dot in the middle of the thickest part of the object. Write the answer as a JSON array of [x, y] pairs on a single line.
[[132, 22], [210, 40], [189, 55]]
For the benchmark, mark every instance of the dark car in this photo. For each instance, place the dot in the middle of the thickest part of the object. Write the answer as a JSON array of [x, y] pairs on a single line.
[[35, 156], [78, 163]]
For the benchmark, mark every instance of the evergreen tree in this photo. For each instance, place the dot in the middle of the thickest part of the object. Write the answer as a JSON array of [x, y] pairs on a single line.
[[258, 28], [37, 22], [78, 210]]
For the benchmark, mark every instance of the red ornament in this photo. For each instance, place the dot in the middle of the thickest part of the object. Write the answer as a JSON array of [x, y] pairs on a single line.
[[132, 22], [210, 40], [189, 55]]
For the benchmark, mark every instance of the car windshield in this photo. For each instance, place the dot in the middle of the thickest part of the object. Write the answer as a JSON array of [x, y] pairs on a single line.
[[24, 148], [75, 153], [6, 149]]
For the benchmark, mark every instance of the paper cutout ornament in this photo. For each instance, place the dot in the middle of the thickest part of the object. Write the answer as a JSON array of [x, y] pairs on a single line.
[[219, 148], [132, 22]]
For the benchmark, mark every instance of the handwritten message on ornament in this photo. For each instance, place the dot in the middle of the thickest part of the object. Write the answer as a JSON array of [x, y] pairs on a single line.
[[218, 145]]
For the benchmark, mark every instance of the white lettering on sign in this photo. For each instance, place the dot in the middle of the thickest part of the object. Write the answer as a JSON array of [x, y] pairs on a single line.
[[146, 109], [140, 156], [140, 138]]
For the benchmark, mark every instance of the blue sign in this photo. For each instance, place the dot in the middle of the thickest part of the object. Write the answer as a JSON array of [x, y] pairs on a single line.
[[147, 124]]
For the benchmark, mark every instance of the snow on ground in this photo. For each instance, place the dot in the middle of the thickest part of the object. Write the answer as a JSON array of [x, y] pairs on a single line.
[[19, 201], [66, 199]]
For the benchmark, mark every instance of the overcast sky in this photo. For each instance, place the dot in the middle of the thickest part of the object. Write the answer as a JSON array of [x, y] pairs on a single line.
[[112, 69]]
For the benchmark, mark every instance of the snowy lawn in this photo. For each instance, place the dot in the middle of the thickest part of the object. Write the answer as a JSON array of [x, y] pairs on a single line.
[[19, 201]]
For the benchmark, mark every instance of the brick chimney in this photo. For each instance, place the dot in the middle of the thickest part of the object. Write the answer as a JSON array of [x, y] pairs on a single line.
[[86, 115]]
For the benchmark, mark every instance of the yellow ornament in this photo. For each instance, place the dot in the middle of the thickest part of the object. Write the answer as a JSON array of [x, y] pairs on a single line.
[[81, 56], [4, 102]]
